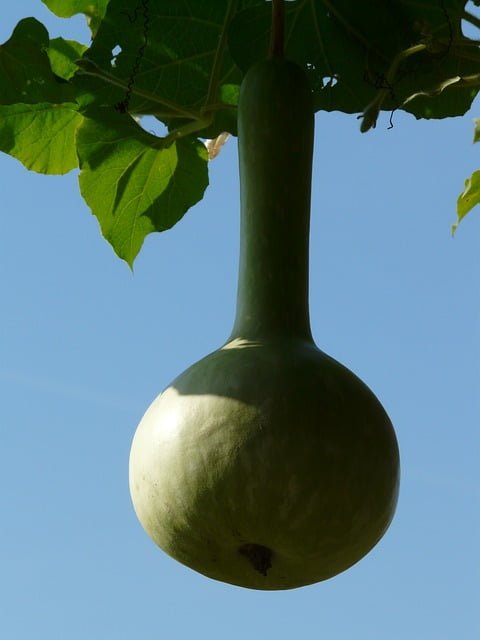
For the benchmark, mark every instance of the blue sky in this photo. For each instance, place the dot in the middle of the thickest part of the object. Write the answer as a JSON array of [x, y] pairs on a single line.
[[86, 345]]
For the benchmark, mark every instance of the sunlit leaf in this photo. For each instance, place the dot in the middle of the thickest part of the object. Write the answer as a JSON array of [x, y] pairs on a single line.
[[173, 55], [469, 198], [63, 54], [41, 136], [183, 62], [132, 183]]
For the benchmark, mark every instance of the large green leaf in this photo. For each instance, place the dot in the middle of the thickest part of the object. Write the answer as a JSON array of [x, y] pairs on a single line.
[[177, 58], [339, 43], [173, 55], [394, 55], [132, 182], [38, 114], [41, 136], [183, 63]]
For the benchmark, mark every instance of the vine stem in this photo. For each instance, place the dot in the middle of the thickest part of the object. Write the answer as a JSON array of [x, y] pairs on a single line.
[[370, 115], [277, 36]]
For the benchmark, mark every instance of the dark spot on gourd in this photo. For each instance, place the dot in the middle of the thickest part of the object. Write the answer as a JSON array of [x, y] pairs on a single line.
[[259, 556]]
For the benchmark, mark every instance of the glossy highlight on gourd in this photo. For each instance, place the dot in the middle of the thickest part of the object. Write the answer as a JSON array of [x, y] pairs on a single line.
[[268, 464]]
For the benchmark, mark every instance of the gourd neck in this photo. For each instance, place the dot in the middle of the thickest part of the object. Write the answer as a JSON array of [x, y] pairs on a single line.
[[275, 142]]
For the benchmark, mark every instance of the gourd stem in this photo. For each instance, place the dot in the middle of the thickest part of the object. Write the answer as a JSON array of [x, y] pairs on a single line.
[[277, 36], [275, 142]]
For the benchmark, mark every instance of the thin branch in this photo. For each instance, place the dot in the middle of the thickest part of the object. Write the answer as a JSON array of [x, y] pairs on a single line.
[[457, 82], [277, 34], [185, 130]]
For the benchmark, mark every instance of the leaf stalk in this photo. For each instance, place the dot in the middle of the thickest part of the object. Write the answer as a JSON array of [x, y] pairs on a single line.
[[371, 112], [277, 35]]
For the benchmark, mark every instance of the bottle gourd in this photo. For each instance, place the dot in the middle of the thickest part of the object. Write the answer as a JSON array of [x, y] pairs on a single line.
[[268, 464]]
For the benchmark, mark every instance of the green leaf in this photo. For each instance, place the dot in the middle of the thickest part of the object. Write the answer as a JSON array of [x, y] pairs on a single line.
[[25, 72], [468, 199], [183, 63], [174, 56], [132, 183], [356, 57], [94, 10], [177, 58], [38, 117], [41, 136], [63, 55]]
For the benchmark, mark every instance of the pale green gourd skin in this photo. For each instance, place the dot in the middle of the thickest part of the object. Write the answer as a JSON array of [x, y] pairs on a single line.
[[268, 441]]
